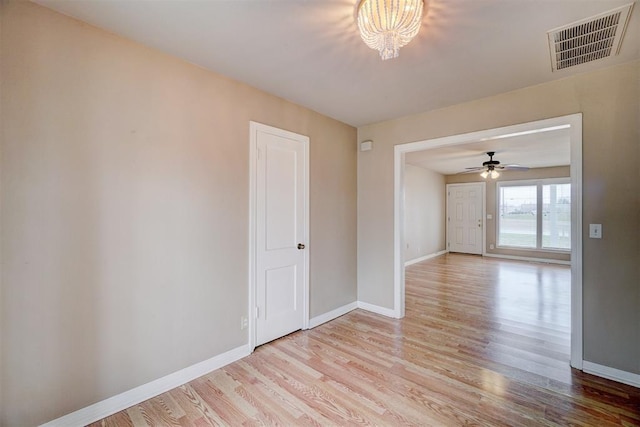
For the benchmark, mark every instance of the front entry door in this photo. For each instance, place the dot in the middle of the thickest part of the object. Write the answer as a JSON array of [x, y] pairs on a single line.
[[465, 225], [281, 231]]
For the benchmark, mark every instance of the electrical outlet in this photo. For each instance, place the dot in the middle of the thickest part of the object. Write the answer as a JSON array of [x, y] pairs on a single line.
[[492, 246], [244, 322]]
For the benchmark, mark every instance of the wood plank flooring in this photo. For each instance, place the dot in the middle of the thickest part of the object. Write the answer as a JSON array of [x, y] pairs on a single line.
[[484, 342]]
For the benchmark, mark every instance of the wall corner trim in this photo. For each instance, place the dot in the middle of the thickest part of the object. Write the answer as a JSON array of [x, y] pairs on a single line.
[[424, 258], [389, 312], [611, 373], [333, 314], [122, 401]]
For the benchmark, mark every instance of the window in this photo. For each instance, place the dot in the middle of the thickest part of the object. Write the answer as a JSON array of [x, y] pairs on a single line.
[[535, 214]]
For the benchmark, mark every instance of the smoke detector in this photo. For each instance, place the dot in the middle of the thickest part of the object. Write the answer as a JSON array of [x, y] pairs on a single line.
[[589, 39]]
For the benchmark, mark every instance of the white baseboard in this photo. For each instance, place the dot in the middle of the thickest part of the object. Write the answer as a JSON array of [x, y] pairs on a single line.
[[333, 314], [389, 312], [424, 258], [122, 401], [526, 258], [611, 373]]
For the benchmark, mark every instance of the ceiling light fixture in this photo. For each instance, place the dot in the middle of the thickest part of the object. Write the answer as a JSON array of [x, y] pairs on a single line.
[[387, 25], [490, 167], [491, 172]]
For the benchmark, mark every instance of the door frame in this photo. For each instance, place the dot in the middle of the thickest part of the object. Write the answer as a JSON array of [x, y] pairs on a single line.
[[254, 127], [574, 123], [483, 185]]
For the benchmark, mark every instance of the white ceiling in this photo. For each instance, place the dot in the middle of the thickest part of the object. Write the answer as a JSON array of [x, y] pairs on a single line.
[[310, 52], [535, 150]]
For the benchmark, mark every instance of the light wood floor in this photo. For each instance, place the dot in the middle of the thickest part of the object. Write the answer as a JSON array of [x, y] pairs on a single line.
[[484, 342]]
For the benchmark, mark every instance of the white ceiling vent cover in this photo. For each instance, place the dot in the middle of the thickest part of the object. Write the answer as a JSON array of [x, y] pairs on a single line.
[[590, 39]]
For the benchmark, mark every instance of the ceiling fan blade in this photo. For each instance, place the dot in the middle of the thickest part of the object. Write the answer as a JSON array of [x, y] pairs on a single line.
[[515, 168], [477, 168], [470, 170]]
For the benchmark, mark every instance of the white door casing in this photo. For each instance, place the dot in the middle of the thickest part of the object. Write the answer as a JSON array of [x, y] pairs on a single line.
[[279, 288], [465, 213]]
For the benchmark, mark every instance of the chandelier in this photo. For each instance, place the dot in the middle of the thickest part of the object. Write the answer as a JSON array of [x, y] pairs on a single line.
[[387, 25]]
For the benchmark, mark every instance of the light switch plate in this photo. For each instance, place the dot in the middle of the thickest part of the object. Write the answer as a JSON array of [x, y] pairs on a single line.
[[595, 231]]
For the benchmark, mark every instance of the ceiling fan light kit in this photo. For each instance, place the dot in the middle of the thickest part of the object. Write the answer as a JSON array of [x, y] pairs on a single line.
[[491, 173], [387, 25]]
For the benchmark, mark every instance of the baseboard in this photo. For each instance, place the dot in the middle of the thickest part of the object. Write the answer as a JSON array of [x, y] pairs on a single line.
[[333, 314], [611, 373], [389, 312], [526, 258], [424, 258], [122, 401]]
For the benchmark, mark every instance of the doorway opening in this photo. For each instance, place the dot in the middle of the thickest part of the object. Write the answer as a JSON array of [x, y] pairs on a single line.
[[573, 123]]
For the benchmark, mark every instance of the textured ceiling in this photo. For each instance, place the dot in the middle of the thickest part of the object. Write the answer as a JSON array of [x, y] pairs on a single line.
[[309, 51]]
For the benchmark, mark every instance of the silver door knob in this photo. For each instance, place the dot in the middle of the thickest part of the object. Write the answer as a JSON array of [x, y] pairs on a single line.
[[300, 246]]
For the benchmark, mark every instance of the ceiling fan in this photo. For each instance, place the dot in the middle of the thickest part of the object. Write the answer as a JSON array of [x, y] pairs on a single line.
[[491, 167]]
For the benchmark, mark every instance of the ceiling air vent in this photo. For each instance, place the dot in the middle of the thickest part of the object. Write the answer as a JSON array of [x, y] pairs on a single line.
[[589, 39]]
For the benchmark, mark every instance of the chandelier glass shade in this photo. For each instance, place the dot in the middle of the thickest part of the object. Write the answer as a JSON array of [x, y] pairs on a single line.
[[387, 25]]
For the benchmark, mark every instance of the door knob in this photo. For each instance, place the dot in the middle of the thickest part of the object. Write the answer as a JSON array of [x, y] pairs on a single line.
[[300, 246]]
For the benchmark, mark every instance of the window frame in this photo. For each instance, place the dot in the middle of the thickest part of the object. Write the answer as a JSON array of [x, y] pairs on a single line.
[[539, 183]]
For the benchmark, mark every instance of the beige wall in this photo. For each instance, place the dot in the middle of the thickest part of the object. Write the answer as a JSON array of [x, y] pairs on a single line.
[[424, 212], [125, 212], [610, 103], [491, 204]]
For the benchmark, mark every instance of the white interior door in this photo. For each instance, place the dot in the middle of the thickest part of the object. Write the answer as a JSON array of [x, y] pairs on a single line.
[[464, 218], [281, 232]]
